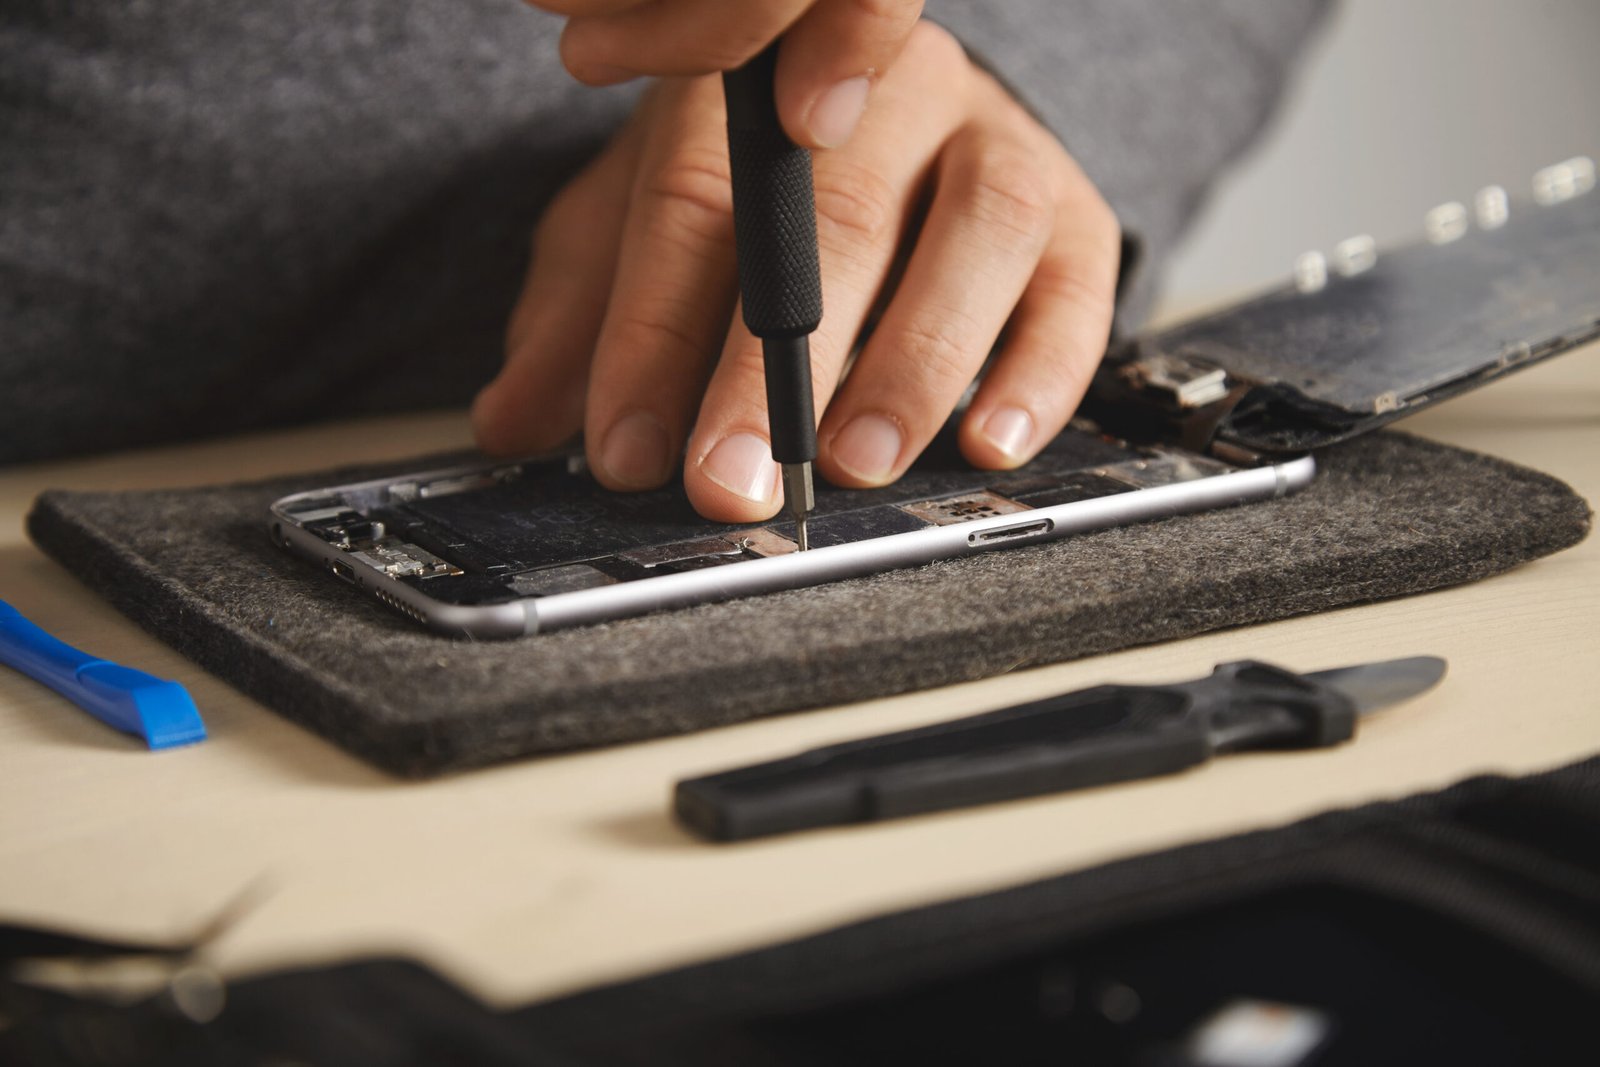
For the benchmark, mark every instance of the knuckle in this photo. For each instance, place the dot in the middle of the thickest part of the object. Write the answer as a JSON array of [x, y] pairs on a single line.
[[934, 351], [697, 178], [856, 202], [1007, 192], [1069, 284], [884, 20], [661, 326], [932, 44], [734, 46], [715, 55], [691, 190]]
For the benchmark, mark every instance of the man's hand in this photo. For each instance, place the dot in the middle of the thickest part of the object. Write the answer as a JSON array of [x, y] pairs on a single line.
[[833, 50], [632, 292]]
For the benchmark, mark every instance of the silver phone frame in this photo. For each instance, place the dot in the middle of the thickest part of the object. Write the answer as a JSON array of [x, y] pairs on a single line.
[[530, 615]]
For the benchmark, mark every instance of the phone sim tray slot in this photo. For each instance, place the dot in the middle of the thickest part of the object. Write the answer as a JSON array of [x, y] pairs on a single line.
[[1010, 533]]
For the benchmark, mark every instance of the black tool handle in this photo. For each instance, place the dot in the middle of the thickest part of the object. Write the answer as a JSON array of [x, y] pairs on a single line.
[[775, 231], [1107, 734], [774, 208]]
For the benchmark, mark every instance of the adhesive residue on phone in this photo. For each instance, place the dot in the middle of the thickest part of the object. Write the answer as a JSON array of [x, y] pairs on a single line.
[[700, 548], [763, 541], [564, 578]]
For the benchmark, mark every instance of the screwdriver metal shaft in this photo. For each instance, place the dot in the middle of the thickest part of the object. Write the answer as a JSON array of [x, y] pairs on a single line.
[[799, 498]]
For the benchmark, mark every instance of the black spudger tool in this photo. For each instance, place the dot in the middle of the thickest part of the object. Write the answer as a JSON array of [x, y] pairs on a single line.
[[780, 283], [1111, 733]]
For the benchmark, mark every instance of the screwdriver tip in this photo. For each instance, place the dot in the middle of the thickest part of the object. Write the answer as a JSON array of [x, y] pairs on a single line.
[[799, 497]]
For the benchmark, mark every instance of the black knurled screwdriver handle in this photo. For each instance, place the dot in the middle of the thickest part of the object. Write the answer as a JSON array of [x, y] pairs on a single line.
[[775, 232], [775, 218]]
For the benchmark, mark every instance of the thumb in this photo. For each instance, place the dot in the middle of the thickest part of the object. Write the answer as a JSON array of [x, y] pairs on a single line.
[[829, 60]]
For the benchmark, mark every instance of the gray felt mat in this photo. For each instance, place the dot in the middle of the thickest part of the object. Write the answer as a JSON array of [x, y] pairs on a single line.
[[1388, 516]]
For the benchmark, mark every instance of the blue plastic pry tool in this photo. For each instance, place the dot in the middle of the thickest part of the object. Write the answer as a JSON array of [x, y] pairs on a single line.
[[159, 711]]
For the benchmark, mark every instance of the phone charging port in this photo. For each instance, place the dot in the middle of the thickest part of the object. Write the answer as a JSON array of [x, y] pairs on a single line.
[[342, 570], [1011, 533]]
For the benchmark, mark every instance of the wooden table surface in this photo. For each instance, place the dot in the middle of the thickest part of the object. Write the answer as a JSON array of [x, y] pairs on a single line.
[[543, 877]]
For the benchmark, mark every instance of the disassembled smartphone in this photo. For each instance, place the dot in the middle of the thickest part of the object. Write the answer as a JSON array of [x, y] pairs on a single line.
[[510, 549], [1213, 413]]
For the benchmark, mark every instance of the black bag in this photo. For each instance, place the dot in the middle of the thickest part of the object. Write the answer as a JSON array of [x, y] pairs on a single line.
[[1457, 927]]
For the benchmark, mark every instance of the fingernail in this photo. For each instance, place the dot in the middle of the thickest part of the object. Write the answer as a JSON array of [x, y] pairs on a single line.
[[636, 451], [836, 113], [742, 463], [1010, 430], [869, 447]]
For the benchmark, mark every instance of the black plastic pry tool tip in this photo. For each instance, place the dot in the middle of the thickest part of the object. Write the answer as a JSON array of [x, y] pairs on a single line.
[[775, 230]]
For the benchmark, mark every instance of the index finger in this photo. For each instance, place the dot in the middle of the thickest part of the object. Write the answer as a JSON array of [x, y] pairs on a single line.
[[673, 37], [584, 8]]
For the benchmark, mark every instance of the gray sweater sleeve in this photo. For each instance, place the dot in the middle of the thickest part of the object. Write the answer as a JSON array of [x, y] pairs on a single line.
[[1152, 97], [218, 215], [221, 215]]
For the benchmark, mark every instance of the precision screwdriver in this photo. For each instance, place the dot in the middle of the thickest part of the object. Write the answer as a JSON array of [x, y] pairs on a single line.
[[780, 282]]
